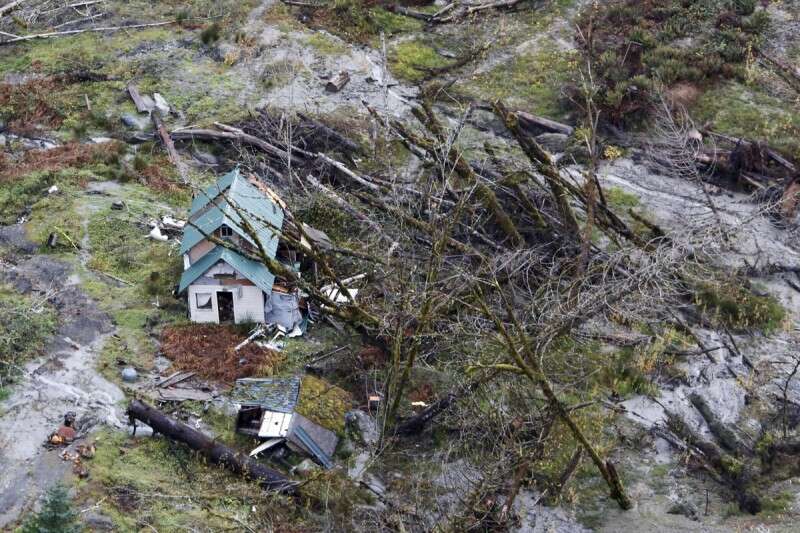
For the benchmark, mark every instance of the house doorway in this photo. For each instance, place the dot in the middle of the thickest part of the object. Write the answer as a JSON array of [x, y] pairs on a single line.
[[225, 306]]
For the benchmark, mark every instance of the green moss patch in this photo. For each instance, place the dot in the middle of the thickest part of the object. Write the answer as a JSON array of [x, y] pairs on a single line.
[[326, 45], [532, 81], [411, 60], [746, 111], [323, 403], [730, 304]]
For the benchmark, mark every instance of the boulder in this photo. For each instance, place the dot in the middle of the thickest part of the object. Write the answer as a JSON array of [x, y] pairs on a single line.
[[555, 143], [305, 468], [132, 122]]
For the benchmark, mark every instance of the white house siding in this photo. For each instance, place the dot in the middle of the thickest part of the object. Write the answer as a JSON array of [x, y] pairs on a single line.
[[248, 303], [203, 315]]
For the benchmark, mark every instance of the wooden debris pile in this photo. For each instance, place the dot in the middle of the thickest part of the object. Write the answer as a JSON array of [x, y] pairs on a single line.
[[745, 164]]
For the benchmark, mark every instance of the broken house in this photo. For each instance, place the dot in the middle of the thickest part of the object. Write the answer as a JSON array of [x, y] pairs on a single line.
[[222, 283], [267, 411]]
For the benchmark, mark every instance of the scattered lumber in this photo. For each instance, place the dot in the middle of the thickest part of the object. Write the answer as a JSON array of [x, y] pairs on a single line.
[[175, 378], [90, 30], [338, 82], [214, 451], [182, 394]]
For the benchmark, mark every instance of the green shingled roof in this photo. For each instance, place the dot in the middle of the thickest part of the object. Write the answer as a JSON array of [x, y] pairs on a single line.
[[252, 270], [260, 211]]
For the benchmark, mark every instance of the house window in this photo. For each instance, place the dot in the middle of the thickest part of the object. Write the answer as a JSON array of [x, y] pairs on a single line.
[[225, 231], [203, 300]]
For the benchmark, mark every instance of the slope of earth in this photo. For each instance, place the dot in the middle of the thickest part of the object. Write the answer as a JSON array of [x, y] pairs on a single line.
[[223, 61]]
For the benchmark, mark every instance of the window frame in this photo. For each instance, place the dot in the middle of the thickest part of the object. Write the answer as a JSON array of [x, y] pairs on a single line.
[[209, 306]]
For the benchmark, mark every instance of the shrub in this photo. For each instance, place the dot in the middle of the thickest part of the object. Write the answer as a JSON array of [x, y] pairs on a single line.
[[680, 42], [56, 515], [211, 34], [732, 305]]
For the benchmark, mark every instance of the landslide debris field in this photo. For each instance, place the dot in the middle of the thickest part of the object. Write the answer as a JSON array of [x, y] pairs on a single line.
[[572, 227]]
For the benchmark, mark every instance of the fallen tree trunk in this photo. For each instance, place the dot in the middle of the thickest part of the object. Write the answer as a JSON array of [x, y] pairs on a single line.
[[535, 124], [231, 134], [417, 423], [75, 32], [215, 452], [174, 156]]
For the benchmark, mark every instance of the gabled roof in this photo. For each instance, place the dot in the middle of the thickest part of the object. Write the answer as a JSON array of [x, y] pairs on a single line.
[[252, 270], [211, 209]]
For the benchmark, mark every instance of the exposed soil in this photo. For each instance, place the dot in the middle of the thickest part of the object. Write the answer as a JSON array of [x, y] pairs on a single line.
[[64, 379]]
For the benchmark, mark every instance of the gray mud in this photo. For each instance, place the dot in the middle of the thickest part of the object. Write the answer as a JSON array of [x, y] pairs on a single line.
[[63, 379]]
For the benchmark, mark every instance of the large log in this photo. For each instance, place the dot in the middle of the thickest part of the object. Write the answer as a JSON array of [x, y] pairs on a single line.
[[536, 124], [214, 451], [173, 154]]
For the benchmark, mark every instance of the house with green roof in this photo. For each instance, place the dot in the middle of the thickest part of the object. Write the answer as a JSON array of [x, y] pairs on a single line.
[[224, 283]]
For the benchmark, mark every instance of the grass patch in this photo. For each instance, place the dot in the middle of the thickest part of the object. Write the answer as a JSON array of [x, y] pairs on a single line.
[[119, 247], [744, 111], [780, 504], [25, 326], [326, 45], [155, 483], [619, 199], [55, 213], [730, 304]]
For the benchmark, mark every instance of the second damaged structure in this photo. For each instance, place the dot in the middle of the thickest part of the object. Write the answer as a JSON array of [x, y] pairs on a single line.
[[222, 283], [267, 411]]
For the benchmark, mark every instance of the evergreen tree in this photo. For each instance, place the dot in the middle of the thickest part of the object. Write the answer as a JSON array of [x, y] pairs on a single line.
[[56, 515]]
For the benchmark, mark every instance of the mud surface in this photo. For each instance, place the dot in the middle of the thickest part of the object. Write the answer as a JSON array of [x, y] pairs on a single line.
[[63, 379]]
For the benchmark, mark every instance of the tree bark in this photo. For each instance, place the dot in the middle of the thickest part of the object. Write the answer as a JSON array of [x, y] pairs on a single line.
[[215, 452]]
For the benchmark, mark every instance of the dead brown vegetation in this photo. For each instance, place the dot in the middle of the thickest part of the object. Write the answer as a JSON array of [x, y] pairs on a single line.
[[208, 350], [30, 105], [54, 159]]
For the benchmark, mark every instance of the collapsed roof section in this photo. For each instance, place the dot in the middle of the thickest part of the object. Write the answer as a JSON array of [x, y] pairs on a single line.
[[235, 201], [256, 272]]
